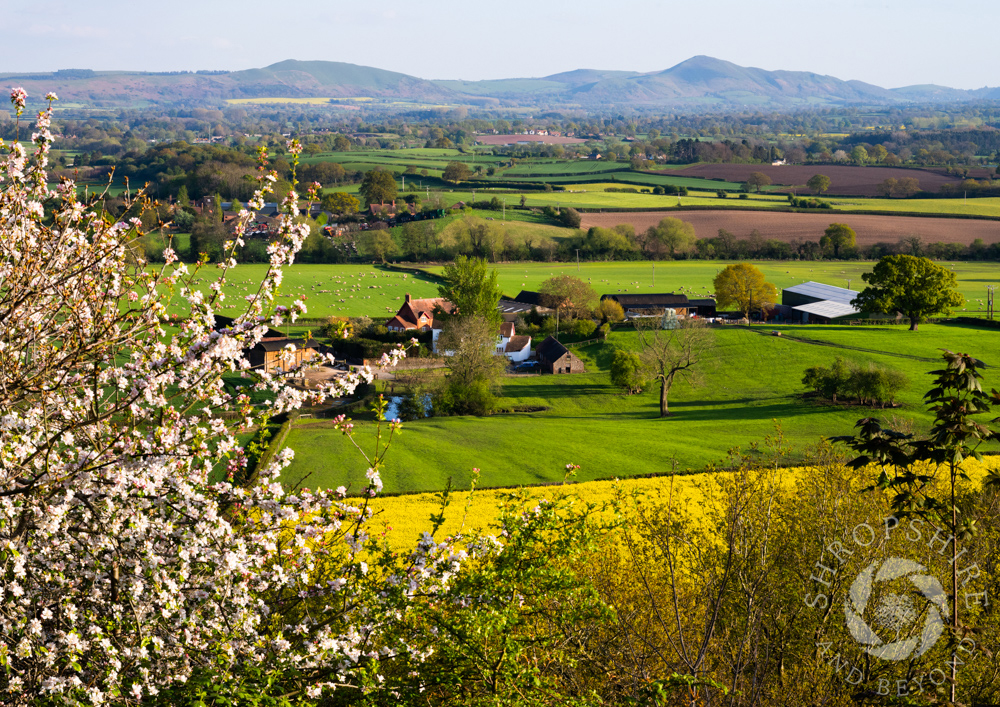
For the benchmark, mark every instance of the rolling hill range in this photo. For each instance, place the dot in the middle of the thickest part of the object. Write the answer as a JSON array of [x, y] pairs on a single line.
[[698, 83]]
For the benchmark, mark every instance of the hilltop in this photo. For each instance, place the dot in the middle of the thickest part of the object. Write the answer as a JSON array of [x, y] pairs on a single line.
[[698, 83]]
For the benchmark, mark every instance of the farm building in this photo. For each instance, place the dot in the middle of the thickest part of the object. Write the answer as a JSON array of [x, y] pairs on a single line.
[[417, 314], [820, 304], [656, 304], [514, 347], [269, 355], [556, 358]]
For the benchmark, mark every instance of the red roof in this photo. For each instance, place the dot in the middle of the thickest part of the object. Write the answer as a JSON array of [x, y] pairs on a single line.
[[507, 330], [418, 313]]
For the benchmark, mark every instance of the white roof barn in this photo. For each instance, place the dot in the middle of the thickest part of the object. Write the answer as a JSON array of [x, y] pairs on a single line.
[[819, 302]]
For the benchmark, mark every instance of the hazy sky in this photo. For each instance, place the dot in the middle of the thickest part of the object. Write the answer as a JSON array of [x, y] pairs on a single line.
[[885, 42]]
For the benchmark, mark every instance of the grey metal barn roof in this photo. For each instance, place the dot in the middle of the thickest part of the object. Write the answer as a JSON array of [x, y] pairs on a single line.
[[828, 309], [824, 292]]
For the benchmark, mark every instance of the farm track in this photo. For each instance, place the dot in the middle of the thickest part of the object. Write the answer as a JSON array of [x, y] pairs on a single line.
[[790, 227]]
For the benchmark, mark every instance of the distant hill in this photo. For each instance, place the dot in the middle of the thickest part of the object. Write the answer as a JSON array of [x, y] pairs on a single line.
[[286, 79], [697, 83]]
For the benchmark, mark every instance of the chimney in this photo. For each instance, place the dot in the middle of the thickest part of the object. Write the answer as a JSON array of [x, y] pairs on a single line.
[[407, 296]]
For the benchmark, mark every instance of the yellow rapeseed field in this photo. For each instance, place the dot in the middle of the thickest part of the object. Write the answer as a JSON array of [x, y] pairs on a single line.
[[402, 519]]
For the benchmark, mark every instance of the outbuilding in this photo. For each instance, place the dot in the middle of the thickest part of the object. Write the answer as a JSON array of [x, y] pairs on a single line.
[[556, 358], [820, 304]]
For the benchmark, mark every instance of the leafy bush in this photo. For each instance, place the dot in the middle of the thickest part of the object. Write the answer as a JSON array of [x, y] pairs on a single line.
[[584, 327], [808, 203], [627, 371], [868, 383]]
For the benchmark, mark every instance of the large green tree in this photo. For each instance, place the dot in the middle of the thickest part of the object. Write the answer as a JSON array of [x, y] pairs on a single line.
[[472, 288], [744, 286], [377, 187], [339, 202], [670, 235], [837, 236], [756, 180], [456, 172], [916, 287], [819, 183]]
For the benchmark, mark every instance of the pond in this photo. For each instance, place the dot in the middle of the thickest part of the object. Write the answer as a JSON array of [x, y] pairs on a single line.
[[396, 402]]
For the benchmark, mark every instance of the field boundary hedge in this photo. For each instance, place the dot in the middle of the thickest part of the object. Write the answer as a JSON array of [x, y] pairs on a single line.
[[410, 270]]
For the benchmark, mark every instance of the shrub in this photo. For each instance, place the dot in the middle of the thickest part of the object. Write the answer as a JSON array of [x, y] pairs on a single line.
[[868, 383], [627, 372], [584, 327]]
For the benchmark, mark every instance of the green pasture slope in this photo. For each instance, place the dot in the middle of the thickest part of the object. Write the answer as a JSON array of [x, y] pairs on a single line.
[[750, 380], [330, 290], [374, 291]]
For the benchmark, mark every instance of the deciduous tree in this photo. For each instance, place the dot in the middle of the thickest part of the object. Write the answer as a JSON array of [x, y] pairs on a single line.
[[837, 236], [471, 286], [909, 284], [570, 295], [610, 311], [819, 183], [671, 353], [744, 286], [756, 180], [339, 202], [377, 187], [456, 172]]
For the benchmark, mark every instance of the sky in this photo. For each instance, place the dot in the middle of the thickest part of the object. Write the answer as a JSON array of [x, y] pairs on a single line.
[[889, 43]]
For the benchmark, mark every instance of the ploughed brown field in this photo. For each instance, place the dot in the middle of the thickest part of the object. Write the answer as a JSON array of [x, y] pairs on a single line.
[[803, 227], [845, 180]]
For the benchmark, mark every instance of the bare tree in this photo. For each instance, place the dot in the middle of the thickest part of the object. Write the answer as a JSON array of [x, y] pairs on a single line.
[[669, 353]]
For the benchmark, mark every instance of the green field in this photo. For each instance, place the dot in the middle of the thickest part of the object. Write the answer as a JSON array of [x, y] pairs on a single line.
[[750, 380], [341, 290], [568, 173], [354, 290], [694, 277]]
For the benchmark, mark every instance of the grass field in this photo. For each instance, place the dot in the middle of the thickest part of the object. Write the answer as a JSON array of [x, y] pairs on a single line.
[[354, 290], [694, 277], [750, 380], [342, 290]]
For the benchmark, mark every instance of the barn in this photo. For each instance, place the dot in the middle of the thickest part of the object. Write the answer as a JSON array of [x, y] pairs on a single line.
[[817, 303], [556, 358], [655, 304]]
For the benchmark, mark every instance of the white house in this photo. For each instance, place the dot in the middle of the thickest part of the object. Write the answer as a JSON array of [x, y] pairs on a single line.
[[516, 348]]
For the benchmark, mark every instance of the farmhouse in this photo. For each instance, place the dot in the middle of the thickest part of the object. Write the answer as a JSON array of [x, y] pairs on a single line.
[[820, 304], [655, 304], [516, 348], [556, 358], [418, 314]]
